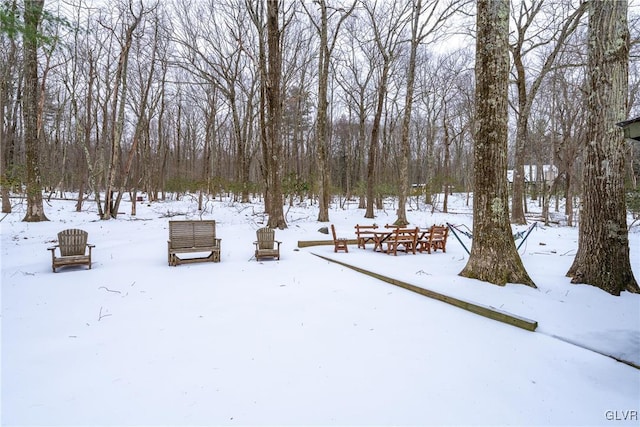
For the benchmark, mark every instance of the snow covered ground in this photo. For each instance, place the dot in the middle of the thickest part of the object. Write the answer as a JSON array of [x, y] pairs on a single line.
[[301, 341]]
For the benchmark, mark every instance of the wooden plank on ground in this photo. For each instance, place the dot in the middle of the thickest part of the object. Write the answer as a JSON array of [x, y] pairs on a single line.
[[307, 243], [482, 310]]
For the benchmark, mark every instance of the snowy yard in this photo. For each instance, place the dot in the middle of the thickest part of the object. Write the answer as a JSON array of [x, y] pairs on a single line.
[[301, 341]]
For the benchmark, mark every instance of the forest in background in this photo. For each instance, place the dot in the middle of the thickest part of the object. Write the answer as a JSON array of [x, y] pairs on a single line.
[[168, 96]]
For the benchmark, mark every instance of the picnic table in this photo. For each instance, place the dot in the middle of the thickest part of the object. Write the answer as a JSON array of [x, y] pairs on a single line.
[[379, 237], [394, 238]]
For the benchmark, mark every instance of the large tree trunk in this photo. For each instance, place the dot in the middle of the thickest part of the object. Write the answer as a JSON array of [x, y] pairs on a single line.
[[602, 259], [274, 115], [32, 16], [494, 257]]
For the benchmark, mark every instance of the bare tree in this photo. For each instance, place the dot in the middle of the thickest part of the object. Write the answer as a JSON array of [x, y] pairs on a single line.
[[70, 80], [354, 75], [426, 21], [327, 45], [219, 48], [118, 102], [494, 257], [299, 74], [526, 44], [9, 102], [387, 22], [430, 106], [143, 105], [602, 259], [568, 128], [90, 123]]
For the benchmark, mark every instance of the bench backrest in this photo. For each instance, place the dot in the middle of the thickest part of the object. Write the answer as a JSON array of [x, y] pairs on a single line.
[[360, 228], [333, 232], [192, 234], [411, 233], [72, 242], [438, 232]]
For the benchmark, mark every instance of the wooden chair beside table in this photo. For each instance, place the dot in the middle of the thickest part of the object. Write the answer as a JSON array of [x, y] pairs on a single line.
[[433, 239], [339, 243]]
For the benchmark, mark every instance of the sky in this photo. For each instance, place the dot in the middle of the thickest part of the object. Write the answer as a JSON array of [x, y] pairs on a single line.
[[301, 341]]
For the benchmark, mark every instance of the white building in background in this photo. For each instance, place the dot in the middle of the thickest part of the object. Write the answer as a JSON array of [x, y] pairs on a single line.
[[550, 172]]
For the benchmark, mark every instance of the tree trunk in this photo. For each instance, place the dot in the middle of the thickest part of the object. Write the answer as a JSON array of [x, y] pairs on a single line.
[[527, 88], [274, 114], [406, 119], [32, 16], [362, 138], [324, 174], [519, 196], [374, 142], [9, 95], [117, 122], [603, 259], [322, 139], [447, 161], [494, 257]]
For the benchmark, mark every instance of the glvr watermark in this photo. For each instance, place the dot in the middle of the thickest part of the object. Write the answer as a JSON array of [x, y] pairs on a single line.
[[628, 415]]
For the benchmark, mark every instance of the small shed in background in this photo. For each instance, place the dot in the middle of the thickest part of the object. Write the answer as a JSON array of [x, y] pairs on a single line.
[[631, 128], [549, 173]]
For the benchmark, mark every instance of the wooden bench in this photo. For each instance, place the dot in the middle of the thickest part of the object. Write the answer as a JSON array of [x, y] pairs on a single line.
[[433, 239], [190, 237], [73, 249], [405, 237], [364, 234]]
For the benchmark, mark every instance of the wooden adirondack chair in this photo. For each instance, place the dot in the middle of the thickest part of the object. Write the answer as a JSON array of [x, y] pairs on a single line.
[[266, 245], [339, 243], [73, 245]]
